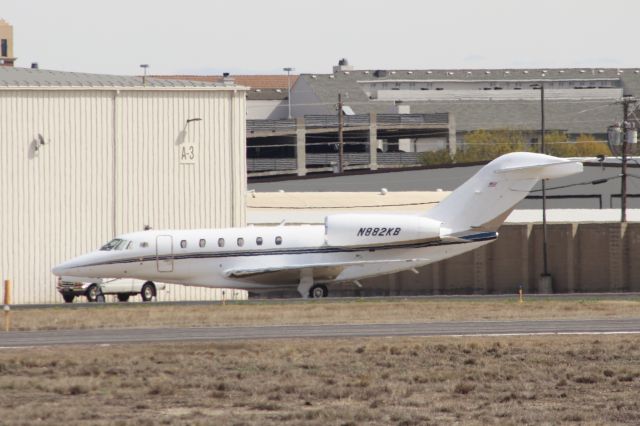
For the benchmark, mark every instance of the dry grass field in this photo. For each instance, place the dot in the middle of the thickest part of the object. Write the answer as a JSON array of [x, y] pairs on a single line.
[[318, 312], [400, 381]]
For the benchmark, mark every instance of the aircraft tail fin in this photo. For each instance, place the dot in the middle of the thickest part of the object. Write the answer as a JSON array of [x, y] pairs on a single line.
[[484, 201]]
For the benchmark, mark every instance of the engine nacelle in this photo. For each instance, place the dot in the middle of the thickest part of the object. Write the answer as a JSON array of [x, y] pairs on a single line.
[[371, 229]]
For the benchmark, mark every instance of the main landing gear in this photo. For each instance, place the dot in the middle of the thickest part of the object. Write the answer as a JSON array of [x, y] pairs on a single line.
[[307, 288], [318, 290]]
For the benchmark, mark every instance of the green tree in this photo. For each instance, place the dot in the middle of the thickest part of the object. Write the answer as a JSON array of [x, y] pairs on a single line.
[[584, 146], [558, 144], [480, 145], [588, 146], [483, 145]]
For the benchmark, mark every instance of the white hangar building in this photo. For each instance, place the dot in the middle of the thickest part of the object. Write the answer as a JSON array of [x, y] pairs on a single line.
[[84, 157]]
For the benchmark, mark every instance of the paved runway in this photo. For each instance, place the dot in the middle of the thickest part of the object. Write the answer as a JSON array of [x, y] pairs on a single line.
[[454, 328], [80, 304]]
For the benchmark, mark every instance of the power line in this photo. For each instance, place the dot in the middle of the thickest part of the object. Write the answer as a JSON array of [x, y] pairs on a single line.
[[590, 182]]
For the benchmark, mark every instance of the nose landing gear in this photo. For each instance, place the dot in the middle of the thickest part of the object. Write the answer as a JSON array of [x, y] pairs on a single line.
[[148, 291]]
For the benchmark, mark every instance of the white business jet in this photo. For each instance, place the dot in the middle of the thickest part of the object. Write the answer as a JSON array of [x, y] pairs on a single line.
[[347, 248]]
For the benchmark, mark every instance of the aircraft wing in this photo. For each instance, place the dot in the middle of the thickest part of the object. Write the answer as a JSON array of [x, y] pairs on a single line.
[[247, 272]]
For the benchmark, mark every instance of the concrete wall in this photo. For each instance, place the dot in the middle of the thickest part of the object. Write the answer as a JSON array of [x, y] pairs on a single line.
[[588, 257], [267, 110]]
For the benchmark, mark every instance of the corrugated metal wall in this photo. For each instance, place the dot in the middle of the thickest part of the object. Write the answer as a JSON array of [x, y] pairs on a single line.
[[110, 165]]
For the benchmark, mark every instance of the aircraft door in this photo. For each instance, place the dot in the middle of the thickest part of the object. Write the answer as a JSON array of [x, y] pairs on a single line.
[[164, 253]]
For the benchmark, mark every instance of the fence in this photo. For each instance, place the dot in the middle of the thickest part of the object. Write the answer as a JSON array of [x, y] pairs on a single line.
[[331, 159], [315, 122]]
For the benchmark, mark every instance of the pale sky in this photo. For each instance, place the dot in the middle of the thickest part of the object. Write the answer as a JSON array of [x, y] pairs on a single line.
[[262, 36]]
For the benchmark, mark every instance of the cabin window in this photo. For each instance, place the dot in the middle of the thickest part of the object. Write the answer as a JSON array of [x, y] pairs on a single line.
[[144, 244], [203, 242], [220, 242], [259, 241], [183, 243], [240, 242], [278, 240]]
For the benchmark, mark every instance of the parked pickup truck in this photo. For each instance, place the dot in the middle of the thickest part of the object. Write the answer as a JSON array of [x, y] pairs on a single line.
[[70, 287]]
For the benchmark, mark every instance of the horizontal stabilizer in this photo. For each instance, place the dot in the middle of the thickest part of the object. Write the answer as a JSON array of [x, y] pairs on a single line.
[[543, 171]]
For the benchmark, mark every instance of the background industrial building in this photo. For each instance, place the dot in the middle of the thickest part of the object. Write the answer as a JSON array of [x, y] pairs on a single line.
[[577, 100], [86, 157], [393, 115], [6, 44]]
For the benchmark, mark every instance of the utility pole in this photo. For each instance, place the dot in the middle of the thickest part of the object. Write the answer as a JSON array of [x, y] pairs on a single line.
[[340, 136], [626, 101]]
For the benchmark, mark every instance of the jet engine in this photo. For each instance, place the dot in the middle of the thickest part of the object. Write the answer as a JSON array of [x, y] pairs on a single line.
[[372, 229]]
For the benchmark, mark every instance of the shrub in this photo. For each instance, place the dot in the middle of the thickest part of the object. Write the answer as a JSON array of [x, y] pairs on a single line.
[[485, 145], [435, 158], [586, 379], [464, 388]]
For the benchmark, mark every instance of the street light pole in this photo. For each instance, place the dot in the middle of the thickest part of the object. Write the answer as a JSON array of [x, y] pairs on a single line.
[[544, 192], [545, 281], [288, 70], [340, 135]]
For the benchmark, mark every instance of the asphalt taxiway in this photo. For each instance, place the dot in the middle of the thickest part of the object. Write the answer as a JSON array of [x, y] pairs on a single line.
[[199, 334], [297, 300]]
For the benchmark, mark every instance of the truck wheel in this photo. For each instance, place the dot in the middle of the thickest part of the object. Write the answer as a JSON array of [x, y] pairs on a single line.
[[92, 293], [68, 298], [123, 297], [148, 291]]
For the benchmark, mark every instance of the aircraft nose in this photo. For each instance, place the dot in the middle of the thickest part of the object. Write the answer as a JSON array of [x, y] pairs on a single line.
[[59, 270], [64, 268]]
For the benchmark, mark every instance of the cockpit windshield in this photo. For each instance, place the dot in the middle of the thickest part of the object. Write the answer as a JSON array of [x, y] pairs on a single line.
[[116, 244]]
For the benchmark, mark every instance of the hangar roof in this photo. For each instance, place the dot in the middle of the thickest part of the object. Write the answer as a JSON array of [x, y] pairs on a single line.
[[261, 87], [11, 77], [275, 81]]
